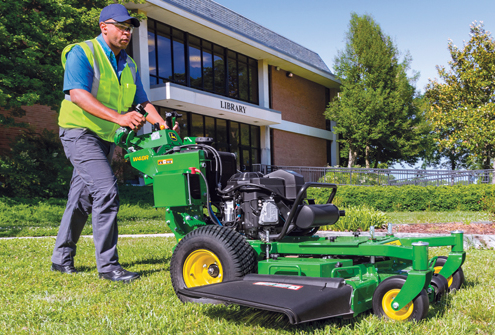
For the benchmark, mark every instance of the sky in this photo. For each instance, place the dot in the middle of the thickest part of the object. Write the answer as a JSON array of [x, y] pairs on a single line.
[[422, 28]]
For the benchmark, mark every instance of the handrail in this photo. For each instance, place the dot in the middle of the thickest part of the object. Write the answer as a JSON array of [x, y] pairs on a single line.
[[390, 177]]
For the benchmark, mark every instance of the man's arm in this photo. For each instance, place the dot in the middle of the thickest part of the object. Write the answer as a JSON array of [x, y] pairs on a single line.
[[88, 102]]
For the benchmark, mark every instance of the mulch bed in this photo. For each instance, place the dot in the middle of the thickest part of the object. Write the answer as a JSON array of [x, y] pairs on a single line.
[[444, 228]]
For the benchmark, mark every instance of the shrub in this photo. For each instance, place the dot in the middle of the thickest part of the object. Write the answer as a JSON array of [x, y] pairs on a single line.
[[36, 167], [359, 218], [488, 204], [410, 197]]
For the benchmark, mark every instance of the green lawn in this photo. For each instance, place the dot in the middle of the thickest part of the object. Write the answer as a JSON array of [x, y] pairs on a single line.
[[42, 218], [35, 300]]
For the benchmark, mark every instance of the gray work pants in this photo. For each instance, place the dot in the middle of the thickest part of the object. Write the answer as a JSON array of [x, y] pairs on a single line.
[[93, 190]]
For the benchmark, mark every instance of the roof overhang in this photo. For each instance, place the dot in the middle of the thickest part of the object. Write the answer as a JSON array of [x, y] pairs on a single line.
[[184, 98], [177, 17]]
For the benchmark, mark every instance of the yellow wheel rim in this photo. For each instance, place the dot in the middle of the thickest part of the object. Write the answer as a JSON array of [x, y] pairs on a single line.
[[202, 267], [401, 314], [438, 269]]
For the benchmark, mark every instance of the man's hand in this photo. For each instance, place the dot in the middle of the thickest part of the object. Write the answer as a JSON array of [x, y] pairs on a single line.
[[176, 126], [88, 102], [133, 120]]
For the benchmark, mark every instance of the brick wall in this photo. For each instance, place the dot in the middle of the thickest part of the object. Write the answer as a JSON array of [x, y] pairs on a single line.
[[300, 100], [38, 117], [298, 150]]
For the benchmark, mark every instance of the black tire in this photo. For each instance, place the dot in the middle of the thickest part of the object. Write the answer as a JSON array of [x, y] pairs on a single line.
[[387, 290], [456, 280], [440, 285], [211, 254]]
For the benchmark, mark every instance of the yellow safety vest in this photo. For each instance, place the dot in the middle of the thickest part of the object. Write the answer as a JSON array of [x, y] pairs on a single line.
[[106, 88]]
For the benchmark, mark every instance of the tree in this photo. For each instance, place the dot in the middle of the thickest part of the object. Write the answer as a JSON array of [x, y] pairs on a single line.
[[33, 34], [462, 109], [376, 115]]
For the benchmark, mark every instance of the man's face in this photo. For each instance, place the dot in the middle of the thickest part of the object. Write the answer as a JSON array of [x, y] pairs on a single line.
[[118, 33]]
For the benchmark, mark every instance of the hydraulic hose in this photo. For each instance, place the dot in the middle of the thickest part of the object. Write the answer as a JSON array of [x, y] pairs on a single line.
[[208, 205]]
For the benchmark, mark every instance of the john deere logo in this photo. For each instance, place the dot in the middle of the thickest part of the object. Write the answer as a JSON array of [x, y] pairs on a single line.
[[172, 136]]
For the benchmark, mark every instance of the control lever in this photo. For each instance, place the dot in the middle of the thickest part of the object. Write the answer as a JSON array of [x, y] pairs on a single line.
[[170, 118]]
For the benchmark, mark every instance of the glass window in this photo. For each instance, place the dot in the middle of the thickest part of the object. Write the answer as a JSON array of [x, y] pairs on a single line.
[[179, 57], [195, 62], [221, 140], [246, 160], [207, 66], [210, 127], [196, 125], [219, 69], [253, 81], [245, 134], [243, 78], [183, 124], [234, 139], [255, 156], [164, 53], [241, 139], [255, 137], [232, 75]]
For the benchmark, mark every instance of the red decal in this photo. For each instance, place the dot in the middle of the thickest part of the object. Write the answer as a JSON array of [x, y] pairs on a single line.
[[279, 285]]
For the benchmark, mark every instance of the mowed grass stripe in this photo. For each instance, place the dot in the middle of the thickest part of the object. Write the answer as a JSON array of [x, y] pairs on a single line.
[[34, 300]]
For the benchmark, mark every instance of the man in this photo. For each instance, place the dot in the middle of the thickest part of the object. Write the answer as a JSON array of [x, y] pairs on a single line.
[[101, 83]]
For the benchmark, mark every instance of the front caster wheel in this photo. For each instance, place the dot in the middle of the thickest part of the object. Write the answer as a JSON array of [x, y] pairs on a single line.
[[210, 255], [385, 294], [440, 285], [456, 280]]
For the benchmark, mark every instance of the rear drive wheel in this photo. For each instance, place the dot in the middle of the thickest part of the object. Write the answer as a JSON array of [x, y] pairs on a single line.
[[210, 255], [456, 280], [385, 294]]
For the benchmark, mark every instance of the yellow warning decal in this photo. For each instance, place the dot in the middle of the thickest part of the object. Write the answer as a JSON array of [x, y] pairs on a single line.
[[396, 242], [141, 158], [172, 136], [165, 161]]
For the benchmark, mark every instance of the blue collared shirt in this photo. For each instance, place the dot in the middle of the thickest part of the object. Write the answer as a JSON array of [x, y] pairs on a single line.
[[79, 72]]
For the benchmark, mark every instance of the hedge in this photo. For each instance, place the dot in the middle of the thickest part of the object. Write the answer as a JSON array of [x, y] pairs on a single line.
[[407, 198], [410, 198]]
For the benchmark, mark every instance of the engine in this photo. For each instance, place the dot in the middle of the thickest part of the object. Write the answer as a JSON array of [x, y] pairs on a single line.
[[256, 205]]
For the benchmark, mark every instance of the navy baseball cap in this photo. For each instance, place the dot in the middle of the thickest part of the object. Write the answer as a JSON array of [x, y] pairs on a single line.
[[119, 13]]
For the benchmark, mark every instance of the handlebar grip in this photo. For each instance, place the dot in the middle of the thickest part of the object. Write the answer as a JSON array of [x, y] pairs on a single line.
[[140, 109]]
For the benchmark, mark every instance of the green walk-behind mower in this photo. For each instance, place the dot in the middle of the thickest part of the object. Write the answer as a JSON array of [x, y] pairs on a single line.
[[257, 245]]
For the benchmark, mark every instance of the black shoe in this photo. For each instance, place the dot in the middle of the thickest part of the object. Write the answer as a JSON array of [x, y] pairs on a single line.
[[64, 268], [120, 275]]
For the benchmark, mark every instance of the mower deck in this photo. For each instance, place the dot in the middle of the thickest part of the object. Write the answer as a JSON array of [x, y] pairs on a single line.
[[302, 299]]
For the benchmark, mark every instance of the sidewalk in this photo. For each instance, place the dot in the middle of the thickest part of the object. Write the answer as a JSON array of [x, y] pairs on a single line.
[[470, 240]]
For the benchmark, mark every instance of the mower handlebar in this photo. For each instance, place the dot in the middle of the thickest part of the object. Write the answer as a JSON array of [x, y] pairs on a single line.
[[300, 197]]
